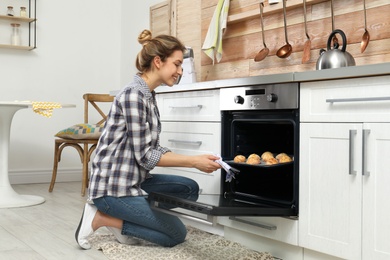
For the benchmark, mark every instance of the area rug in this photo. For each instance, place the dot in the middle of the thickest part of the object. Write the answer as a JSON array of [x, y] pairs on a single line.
[[199, 245]]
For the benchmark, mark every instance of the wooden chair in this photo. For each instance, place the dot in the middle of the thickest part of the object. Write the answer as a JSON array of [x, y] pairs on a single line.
[[82, 137]]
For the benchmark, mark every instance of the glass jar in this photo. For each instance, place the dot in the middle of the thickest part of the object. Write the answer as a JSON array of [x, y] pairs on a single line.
[[23, 12], [15, 35], [10, 11]]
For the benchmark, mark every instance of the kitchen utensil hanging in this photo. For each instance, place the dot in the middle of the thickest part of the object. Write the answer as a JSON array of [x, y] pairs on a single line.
[[307, 45], [335, 40], [366, 35], [264, 52], [286, 49]]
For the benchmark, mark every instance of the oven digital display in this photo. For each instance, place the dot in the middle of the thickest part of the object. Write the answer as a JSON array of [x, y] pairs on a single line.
[[251, 92]]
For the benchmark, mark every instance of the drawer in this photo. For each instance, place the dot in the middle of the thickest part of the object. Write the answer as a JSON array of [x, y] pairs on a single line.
[[208, 183], [280, 229], [349, 100], [190, 106], [191, 137]]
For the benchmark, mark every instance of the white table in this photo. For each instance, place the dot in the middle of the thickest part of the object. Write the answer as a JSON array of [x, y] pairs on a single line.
[[9, 198]]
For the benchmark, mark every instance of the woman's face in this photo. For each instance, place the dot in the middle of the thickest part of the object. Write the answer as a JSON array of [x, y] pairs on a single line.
[[171, 68]]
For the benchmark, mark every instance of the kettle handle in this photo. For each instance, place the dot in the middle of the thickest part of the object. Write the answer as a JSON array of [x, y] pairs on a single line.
[[342, 36]]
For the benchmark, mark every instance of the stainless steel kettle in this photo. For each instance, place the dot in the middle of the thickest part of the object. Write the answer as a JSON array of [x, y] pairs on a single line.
[[335, 58]]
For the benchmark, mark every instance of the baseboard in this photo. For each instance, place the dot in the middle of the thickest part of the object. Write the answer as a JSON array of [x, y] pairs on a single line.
[[43, 176]]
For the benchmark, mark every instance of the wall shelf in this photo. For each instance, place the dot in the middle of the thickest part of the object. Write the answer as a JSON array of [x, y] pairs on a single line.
[[17, 19], [17, 47], [30, 20], [269, 9]]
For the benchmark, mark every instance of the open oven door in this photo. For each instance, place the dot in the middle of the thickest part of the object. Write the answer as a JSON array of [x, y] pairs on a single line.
[[235, 202]]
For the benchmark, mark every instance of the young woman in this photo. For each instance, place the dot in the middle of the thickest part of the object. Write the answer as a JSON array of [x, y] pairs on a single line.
[[129, 149]]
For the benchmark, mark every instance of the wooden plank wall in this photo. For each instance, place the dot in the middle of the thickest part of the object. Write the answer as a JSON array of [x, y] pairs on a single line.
[[243, 39], [188, 29]]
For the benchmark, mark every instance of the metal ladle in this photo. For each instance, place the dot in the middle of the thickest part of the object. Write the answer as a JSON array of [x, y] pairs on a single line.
[[264, 52], [285, 50], [366, 35], [307, 46]]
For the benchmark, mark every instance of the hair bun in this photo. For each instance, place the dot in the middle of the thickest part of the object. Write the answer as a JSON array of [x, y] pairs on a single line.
[[144, 37]]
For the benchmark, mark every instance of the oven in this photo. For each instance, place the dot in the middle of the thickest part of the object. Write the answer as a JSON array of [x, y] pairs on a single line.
[[254, 119]]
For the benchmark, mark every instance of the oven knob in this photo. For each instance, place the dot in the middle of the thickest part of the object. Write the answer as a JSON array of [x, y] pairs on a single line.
[[272, 97], [238, 100]]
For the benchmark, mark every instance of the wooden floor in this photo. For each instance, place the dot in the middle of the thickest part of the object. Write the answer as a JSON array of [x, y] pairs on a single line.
[[45, 231]]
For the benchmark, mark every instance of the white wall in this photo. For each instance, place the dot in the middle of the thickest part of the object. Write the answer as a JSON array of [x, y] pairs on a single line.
[[82, 46], [135, 18]]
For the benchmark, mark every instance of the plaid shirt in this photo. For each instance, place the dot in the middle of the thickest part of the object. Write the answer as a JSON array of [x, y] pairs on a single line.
[[129, 145]]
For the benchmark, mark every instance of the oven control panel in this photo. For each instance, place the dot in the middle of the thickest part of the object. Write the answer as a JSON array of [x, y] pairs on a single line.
[[260, 97]]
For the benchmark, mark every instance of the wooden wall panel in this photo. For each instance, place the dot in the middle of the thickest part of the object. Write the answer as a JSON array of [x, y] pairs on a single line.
[[189, 28], [243, 38]]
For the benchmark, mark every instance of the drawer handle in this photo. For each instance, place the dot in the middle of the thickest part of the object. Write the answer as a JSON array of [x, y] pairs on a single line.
[[364, 166], [211, 220], [338, 100], [197, 106], [351, 149], [261, 225], [199, 143]]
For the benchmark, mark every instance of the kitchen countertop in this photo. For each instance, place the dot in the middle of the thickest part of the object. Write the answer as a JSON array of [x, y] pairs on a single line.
[[307, 76]]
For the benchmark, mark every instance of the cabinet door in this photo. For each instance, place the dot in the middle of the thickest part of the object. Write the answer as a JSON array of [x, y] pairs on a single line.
[[376, 193], [160, 18], [330, 196]]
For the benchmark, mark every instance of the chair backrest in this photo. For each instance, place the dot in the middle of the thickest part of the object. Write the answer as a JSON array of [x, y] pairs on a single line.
[[94, 100]]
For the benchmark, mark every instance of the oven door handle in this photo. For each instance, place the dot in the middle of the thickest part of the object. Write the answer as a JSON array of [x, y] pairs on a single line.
[[211, 220], [261, 225]]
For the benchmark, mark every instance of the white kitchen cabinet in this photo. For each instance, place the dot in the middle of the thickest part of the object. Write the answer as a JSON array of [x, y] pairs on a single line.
[[193, 138], [344, 145], [277, 228], [192, 106], [191, 126]]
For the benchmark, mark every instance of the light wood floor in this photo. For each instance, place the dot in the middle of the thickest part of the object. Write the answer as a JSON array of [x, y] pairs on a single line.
[[45, 231]]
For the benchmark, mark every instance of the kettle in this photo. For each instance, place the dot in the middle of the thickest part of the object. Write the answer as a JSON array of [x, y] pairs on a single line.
[[335, 58]]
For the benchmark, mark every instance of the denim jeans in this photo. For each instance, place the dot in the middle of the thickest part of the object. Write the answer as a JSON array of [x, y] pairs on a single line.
[[139, 220]]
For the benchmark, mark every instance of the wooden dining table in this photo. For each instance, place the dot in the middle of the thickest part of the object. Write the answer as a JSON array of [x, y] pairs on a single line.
[[9, 198]]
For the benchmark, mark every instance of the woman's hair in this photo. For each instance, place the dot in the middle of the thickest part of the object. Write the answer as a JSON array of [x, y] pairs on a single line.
[[162, 46]]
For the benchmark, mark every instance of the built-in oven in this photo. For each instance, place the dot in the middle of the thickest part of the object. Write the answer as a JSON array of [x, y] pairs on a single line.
[[255, 119]]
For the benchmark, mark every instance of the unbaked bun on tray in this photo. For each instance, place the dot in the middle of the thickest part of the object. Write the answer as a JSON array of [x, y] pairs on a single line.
[[253, 159], [266, 156], [239, 159]]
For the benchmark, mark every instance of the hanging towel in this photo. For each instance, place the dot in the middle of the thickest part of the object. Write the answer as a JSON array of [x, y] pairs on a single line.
[[212, 45]]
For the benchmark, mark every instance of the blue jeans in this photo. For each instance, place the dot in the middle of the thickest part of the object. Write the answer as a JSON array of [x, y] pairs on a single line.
[[139, 220]]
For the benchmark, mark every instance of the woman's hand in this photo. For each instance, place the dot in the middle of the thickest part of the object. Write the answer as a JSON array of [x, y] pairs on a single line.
[[206, 163]]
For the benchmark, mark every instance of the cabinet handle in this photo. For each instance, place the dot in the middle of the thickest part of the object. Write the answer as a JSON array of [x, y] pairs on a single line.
[[338, 100], [261, 225], [199, 143], [211, 220], [364, 152], [351, 149], [196, 106]]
